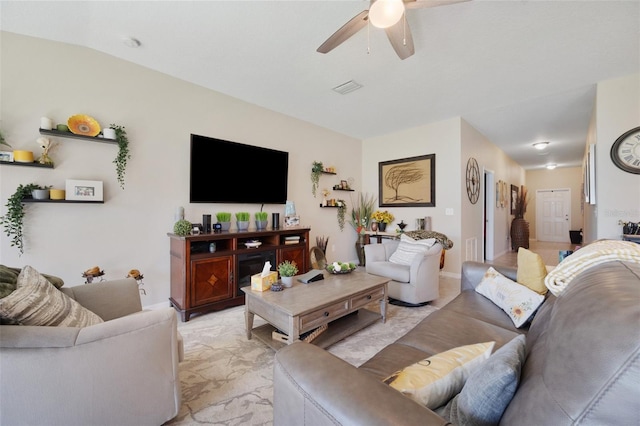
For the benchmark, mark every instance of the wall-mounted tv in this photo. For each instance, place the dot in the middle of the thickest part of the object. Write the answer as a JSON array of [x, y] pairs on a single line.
[[230, 172]]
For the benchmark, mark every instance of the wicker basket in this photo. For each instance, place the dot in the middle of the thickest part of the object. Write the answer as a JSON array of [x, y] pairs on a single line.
[[519, 234]]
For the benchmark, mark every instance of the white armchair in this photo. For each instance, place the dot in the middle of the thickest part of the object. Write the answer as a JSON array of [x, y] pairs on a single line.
[[123, 371], [414, 284]]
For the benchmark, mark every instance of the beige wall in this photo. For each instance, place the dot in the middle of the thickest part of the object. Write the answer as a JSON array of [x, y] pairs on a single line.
[[617, 192], [42, 78], [560, 178]]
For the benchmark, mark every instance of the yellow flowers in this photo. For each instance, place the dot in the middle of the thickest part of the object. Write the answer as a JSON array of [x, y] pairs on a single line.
[[382, 216]]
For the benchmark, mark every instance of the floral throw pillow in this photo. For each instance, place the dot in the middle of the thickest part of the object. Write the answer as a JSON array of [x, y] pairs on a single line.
[[517, 300]]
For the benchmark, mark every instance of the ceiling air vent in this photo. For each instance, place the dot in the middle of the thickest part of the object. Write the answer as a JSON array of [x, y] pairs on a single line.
[[347, 87]]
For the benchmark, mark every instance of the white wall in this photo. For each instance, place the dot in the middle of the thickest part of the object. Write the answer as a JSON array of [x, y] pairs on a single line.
[[43, 78], [617, 192]]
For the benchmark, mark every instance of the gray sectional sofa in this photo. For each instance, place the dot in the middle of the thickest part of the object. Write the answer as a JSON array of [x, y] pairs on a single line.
[[582, 359]]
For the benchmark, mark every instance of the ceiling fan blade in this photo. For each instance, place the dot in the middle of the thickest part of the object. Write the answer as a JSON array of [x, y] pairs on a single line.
[[354, 25], [400, 37], [416, 4]]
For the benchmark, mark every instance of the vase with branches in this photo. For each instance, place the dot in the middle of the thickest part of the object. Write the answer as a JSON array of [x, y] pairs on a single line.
[[519, 226]]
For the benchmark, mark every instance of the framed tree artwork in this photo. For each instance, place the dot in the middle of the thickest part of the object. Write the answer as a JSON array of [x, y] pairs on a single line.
[[408, 182], [514, 197]]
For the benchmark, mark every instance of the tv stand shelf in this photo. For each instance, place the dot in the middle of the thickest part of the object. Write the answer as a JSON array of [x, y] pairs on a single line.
[[203, 281]]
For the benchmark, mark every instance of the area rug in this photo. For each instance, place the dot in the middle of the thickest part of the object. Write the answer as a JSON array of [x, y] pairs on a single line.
[[227, 379]]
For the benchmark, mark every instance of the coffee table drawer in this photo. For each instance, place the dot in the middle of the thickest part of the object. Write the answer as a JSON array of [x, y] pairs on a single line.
[[324, 315], [366, 298]]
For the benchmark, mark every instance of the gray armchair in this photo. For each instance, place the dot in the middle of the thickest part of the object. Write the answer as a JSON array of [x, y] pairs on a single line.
[[123, 371], [414, 284]]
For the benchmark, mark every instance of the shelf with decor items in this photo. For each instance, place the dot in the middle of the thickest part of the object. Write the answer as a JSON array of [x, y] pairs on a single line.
[[70, 135], [33, 200], [208, 269], [34, 164]]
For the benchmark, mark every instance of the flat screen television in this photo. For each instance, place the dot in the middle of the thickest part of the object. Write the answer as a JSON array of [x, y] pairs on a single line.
[[230, 172]]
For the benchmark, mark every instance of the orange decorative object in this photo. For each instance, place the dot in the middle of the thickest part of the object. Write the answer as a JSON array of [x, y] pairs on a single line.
[[83, 125]]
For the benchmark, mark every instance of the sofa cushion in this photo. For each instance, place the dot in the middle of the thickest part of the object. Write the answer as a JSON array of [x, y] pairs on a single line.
[[37, 302], [489, 389], [531, 270], [435, 380], [9, 277], [399, 273], [409, 248], [518, 301]]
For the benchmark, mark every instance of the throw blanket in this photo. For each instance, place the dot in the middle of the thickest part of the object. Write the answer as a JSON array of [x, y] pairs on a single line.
[[421, 235], [590, 255]]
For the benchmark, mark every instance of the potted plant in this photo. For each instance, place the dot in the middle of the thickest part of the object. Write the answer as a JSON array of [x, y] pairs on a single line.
[[41, 193], [519, 226], [182, 227], [242, 220], [316, 171], [12, 221], [224, 219], [287, 270], [360, 218], [123, 153], [3, 140], [342, 210], [261, 220], [382, 218]]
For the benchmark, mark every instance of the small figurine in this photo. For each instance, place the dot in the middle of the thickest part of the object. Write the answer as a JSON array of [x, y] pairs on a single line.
[[137, 275]]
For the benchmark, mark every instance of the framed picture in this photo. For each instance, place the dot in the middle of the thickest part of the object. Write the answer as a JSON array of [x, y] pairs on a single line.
[[408, 182], [6, 156], [505, 194], [84, 190], [592, 174], [499, 194], [292, 221], [514, 197]]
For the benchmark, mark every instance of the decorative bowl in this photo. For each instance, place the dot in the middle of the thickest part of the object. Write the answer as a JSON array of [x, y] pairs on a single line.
[[81, 124], [345, 267], [253, 244]]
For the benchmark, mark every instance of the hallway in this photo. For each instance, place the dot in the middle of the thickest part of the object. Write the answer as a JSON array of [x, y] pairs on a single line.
[[547, 250]]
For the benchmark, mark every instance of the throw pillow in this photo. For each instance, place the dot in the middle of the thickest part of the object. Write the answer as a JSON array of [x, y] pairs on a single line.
[[435, 380], [37, 302], [408, 249], [518, 301], [531, 270], [488, 390]]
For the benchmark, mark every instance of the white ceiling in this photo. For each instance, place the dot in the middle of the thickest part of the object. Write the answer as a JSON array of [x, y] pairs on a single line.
[[518, 71]]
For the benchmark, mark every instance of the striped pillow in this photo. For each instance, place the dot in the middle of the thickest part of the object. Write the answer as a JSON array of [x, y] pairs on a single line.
[[37, 302], [409, 248]]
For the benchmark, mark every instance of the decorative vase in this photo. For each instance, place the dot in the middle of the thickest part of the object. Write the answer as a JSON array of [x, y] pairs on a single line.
[[224, 226], [243, 225], [261, 224], [40, 194], [360, 249], [374, 226], [382, 227], [519, 234], [287, 281]]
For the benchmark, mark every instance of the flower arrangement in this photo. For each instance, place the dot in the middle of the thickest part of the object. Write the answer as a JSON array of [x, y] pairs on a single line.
[[361, 212], [382, 216]]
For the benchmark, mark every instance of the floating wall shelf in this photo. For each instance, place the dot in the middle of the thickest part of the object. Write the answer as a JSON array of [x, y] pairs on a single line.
[[74, 136], [34, 164]]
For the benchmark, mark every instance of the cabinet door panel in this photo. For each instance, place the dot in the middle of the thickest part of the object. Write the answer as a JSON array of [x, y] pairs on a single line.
[[211, 280], [295, 254]]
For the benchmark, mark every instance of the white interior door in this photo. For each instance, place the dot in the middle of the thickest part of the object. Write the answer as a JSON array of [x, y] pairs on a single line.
[[553, 215]]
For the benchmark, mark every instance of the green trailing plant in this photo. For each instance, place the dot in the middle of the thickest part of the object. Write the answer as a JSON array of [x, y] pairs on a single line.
[[243, 216], [13, 220], [182, 227], [316, 171], [123, 153], [342, 211], [261, 216], [3, 140], [287, 268], [223, 217]]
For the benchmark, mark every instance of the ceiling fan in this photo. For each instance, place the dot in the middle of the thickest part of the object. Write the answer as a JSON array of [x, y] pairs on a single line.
[[387, 14]]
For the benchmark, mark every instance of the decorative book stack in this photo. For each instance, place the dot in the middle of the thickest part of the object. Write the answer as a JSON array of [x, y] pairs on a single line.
[[293, 239]]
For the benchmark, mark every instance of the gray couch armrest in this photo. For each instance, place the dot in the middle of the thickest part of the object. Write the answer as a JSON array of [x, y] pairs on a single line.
[[472, 273], [314, 387], [108, 299]]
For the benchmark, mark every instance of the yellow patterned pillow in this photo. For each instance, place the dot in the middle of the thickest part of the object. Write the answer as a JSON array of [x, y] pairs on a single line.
[[432, 382], [531, 271], [37, 302]]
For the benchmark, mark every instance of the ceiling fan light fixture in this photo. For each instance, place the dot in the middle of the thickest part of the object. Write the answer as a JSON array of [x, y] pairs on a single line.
[[551, 166], [385, 13]]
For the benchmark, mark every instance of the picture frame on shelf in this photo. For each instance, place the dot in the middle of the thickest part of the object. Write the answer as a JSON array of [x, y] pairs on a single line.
[[6, 156], [408, 182], [514, 197], [292, 221], [84, 190]]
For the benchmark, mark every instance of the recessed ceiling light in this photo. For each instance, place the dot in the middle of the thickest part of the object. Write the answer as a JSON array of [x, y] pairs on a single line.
[[551, 166], [131, 42], [347, 87], [540, 145]]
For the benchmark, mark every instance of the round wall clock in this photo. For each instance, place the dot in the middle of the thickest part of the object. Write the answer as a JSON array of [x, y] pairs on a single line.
[[625, 152], [473, 180]]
